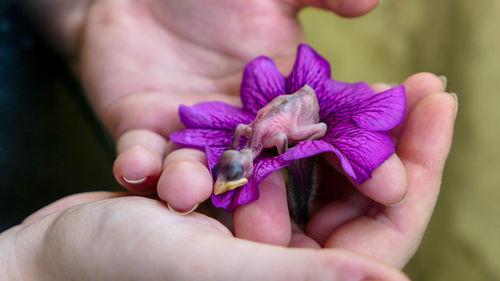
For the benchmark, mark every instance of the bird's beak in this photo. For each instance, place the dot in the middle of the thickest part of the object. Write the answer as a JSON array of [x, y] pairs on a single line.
[[222, 186]]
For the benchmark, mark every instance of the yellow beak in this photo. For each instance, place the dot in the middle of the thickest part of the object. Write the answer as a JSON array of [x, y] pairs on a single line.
[[223, 186]]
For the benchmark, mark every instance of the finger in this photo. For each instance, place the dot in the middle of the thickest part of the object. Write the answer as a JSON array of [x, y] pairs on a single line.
[[424, 148], [345, 8], [301, 240], [388, 183], [223, 258], [185, 181], [380, 87], [70, 201], [266, 220], [392, 234], [139, 162], [326, 220], [418, 86]]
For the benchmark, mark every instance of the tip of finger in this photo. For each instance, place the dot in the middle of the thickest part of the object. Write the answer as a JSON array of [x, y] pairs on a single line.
[[270, 211], [388, 184], [137, 169], [184, 184], [425, 82]]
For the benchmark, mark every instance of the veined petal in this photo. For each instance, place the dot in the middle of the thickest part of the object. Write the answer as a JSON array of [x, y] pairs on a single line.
[[383, 111], [261, 83], [224, 200], [244, 195], [339, 99], [265, 164], [365, 150], [214, 115], [309, 68], [310, 148], [202, 137]]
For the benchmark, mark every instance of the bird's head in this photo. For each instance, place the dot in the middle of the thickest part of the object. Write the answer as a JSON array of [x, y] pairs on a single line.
[[233, 170]]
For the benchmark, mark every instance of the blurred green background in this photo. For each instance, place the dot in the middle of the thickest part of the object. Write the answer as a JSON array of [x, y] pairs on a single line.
[[459, 39]]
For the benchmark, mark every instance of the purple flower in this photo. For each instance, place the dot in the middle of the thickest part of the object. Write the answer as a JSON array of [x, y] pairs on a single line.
[[358, 121]]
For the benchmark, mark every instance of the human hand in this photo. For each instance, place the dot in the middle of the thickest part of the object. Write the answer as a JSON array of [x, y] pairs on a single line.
[[135, 115], [137, 69], [392, 231], [139, 60], [110, 236], [360, 219]]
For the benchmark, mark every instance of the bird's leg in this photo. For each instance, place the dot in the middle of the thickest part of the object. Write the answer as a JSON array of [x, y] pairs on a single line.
[[311, 132], [241, 130], [281, 142]]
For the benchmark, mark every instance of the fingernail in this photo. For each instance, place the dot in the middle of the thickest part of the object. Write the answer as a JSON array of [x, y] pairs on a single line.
[[456, 98], [393, 84], [182, 213], [134, 181], [444, 80]]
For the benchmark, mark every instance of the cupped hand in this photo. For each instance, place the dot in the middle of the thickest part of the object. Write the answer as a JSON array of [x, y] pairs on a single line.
[[139, 60], [384, 217], [110, 236], [387, 215]]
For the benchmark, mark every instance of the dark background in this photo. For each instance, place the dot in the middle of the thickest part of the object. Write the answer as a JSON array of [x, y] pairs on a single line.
[[50, 143]]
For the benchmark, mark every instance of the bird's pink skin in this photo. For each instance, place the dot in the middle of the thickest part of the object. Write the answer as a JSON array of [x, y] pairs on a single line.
[[286, 120]]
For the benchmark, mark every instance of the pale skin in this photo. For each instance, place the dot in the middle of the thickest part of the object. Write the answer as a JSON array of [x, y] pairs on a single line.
[[98, 236], [138, 60]]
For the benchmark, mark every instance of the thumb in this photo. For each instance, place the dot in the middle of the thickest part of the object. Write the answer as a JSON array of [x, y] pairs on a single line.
[[238, 259]]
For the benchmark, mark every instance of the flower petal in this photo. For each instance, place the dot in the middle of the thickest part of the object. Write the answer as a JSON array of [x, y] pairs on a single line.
[[265, 164], [224, 200], [338, 100], [365, 150], [202, 137], [215, 115], [262, 82], [383, 111], [244, 195], [309, 68], [310, 148]]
